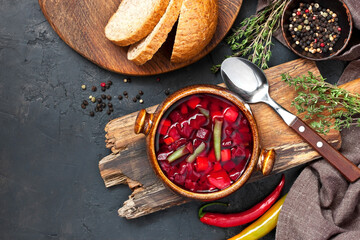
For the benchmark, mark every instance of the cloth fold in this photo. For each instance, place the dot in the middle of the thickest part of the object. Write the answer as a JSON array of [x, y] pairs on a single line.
[[321, 204]]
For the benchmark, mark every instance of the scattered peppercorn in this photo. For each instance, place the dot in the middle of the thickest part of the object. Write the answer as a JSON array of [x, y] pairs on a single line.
[[85, 103], [92, 114], [141, 93], [120, 97], [83, 87], [99, 100], [110, 104], [107, 86], [167, 92], [93, 88], [111, 109], [141, 101], [108, 112], [103, 96], [125, 94], [83, 106], [108, 97], [103, 89], [138, 96], [134, 99], [109, 83]]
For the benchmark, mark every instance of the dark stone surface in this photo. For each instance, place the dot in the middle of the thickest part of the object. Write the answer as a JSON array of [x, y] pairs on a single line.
[[50, 187]]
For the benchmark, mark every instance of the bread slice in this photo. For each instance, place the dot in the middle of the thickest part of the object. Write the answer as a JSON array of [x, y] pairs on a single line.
[[134, 20], [143, 51], [196, 26]]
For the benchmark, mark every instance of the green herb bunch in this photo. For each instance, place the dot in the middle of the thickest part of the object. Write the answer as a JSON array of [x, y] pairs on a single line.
[[253, 37], [327, 102]]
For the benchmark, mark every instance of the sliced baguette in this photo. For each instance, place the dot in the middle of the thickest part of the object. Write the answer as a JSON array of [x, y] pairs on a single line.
[[134, 20], [196, 26], [143, 51]]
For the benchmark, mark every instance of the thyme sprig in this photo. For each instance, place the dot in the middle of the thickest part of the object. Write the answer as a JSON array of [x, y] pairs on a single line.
[[253, 36], [326, 102]]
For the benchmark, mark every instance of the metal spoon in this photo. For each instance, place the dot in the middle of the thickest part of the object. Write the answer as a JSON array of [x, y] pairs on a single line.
[[249, 82]]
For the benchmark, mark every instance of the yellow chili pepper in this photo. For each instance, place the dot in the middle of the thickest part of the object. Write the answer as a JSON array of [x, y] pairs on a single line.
[[263, 225]]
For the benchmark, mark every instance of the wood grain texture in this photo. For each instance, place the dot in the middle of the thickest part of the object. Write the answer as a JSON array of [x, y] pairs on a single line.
[[81, 25], [129, 160]]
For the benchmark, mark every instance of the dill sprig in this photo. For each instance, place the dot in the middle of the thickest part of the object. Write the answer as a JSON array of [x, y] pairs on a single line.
[[326, 102], [253, 36]]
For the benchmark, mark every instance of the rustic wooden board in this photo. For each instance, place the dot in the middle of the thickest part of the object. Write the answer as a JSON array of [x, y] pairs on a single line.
[[81, 25], [128, 164]]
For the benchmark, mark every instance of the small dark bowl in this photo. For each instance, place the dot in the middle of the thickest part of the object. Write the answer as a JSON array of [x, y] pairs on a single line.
[[345, 22]]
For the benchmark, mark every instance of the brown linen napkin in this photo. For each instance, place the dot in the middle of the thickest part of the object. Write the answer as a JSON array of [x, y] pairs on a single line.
[[322, 204]]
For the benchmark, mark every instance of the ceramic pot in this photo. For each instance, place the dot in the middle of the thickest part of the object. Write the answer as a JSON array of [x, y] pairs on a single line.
[[147, 123]]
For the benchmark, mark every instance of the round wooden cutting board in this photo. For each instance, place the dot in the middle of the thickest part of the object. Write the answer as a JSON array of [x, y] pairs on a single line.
[[81, 25]]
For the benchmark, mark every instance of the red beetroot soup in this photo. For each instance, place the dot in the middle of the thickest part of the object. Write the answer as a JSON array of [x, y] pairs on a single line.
[[203, 143]]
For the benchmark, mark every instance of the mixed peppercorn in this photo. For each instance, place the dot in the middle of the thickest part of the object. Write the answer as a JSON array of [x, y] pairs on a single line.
[[314, 29]]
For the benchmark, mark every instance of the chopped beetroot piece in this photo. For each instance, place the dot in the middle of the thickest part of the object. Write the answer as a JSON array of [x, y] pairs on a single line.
[[197, 121], [165, 165], [241, 166], [219, 179], [246, 137], [178, 143], [190, 147], [173, 132], [211, 155], [204, 103], [203, 134], [186, 130], [237, 139], [193, 102], [214, 107], [194, 176], [217, 167], [164, 126], [229, 130], [225, 155], [190, 185], [226, 143], [234, 174], [168, 140], [173, 170], [175, 116], [229, 165], [182, 168], [216, 115], [238, 151], [231, 114], [179, 179], [202, 164], [183, 109]]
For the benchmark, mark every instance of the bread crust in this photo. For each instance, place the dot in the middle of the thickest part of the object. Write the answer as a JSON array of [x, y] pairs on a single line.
[[143, 51], [131, 23], [196, 27]]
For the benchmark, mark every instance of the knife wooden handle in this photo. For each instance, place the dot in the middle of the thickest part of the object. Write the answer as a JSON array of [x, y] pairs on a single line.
[[348, 169]]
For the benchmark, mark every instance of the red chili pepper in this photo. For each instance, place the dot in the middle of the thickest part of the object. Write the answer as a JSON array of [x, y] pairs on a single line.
[[237, 219]]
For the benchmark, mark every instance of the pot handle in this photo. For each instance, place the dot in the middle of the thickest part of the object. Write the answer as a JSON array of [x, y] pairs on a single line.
[[266, 161], [143, 122]]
